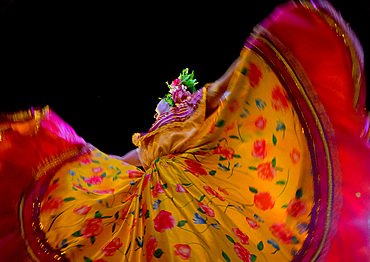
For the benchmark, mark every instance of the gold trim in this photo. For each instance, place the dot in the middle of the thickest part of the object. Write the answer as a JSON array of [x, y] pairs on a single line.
[[42, 170]]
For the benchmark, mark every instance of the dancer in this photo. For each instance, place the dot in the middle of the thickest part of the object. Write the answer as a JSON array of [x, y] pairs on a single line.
[[268, 163]]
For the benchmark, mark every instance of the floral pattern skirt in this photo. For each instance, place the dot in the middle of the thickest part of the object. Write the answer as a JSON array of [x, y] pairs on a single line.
[[242, 193]]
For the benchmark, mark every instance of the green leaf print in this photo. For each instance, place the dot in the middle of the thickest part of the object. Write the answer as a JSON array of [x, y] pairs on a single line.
[[260, 246], [226, 257], [253, 258], [182, 223], [299, 193], [230, 239], [158, 253], [69, 199], [220, 123], [86, 259], [77, 234], [253, 190], [98, 214], [274, 139], [212, 172]]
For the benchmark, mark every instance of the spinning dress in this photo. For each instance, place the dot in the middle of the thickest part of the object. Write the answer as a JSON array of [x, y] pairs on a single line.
[[277, 173]]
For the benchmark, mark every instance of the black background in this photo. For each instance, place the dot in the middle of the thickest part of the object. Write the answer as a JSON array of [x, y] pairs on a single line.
[[101, 65]]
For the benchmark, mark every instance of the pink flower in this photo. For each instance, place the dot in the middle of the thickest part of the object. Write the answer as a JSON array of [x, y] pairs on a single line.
[[150, 246], [106, 191], [259, 149], [296, 208], [254, 75], [92, 227], [244, 239], [85, 159], [180, 95], [206, 209], [164, 221], [260, 122], [183, 251], [295, 155], [242, 253], [94, 180], [134, 173], [264, 201], [52, 205], [279, 99], [83, 210], [252, 223], [111, 248], [176, 82], [282, 233], [97, 170], [158, 188], [181, 189], [266, 171]]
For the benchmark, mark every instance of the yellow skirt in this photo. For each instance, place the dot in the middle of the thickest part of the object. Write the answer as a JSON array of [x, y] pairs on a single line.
[[242, 193]]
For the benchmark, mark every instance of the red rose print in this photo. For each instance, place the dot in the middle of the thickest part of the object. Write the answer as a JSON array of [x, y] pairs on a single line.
[[279, 99], [183, 251], [134, 173], [52, 205], [264, 200], [100, 260], [94, 180], [242, 253], [266, 171], [158, 188], [92, 227], [252, 223], [254, 75], [233, 106], [244, 239], [150, 246], [206, 209], [112, 247], [260, 122], [146, 180], [259, 150], [224, 152], [282, 233], [195, 168], [296, 208], [164, 221], [295, 155], [212, 192], [83, 210], [223, 191], [181, 189]]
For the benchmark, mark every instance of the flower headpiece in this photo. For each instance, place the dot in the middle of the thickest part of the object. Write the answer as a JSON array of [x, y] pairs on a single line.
[[180, 87]]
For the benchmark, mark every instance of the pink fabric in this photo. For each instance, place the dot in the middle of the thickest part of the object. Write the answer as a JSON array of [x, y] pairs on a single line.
[[20, 157], [327, 61]]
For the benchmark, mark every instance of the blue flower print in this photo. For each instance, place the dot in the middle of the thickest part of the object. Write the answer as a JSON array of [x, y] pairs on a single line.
[[198, 219]]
